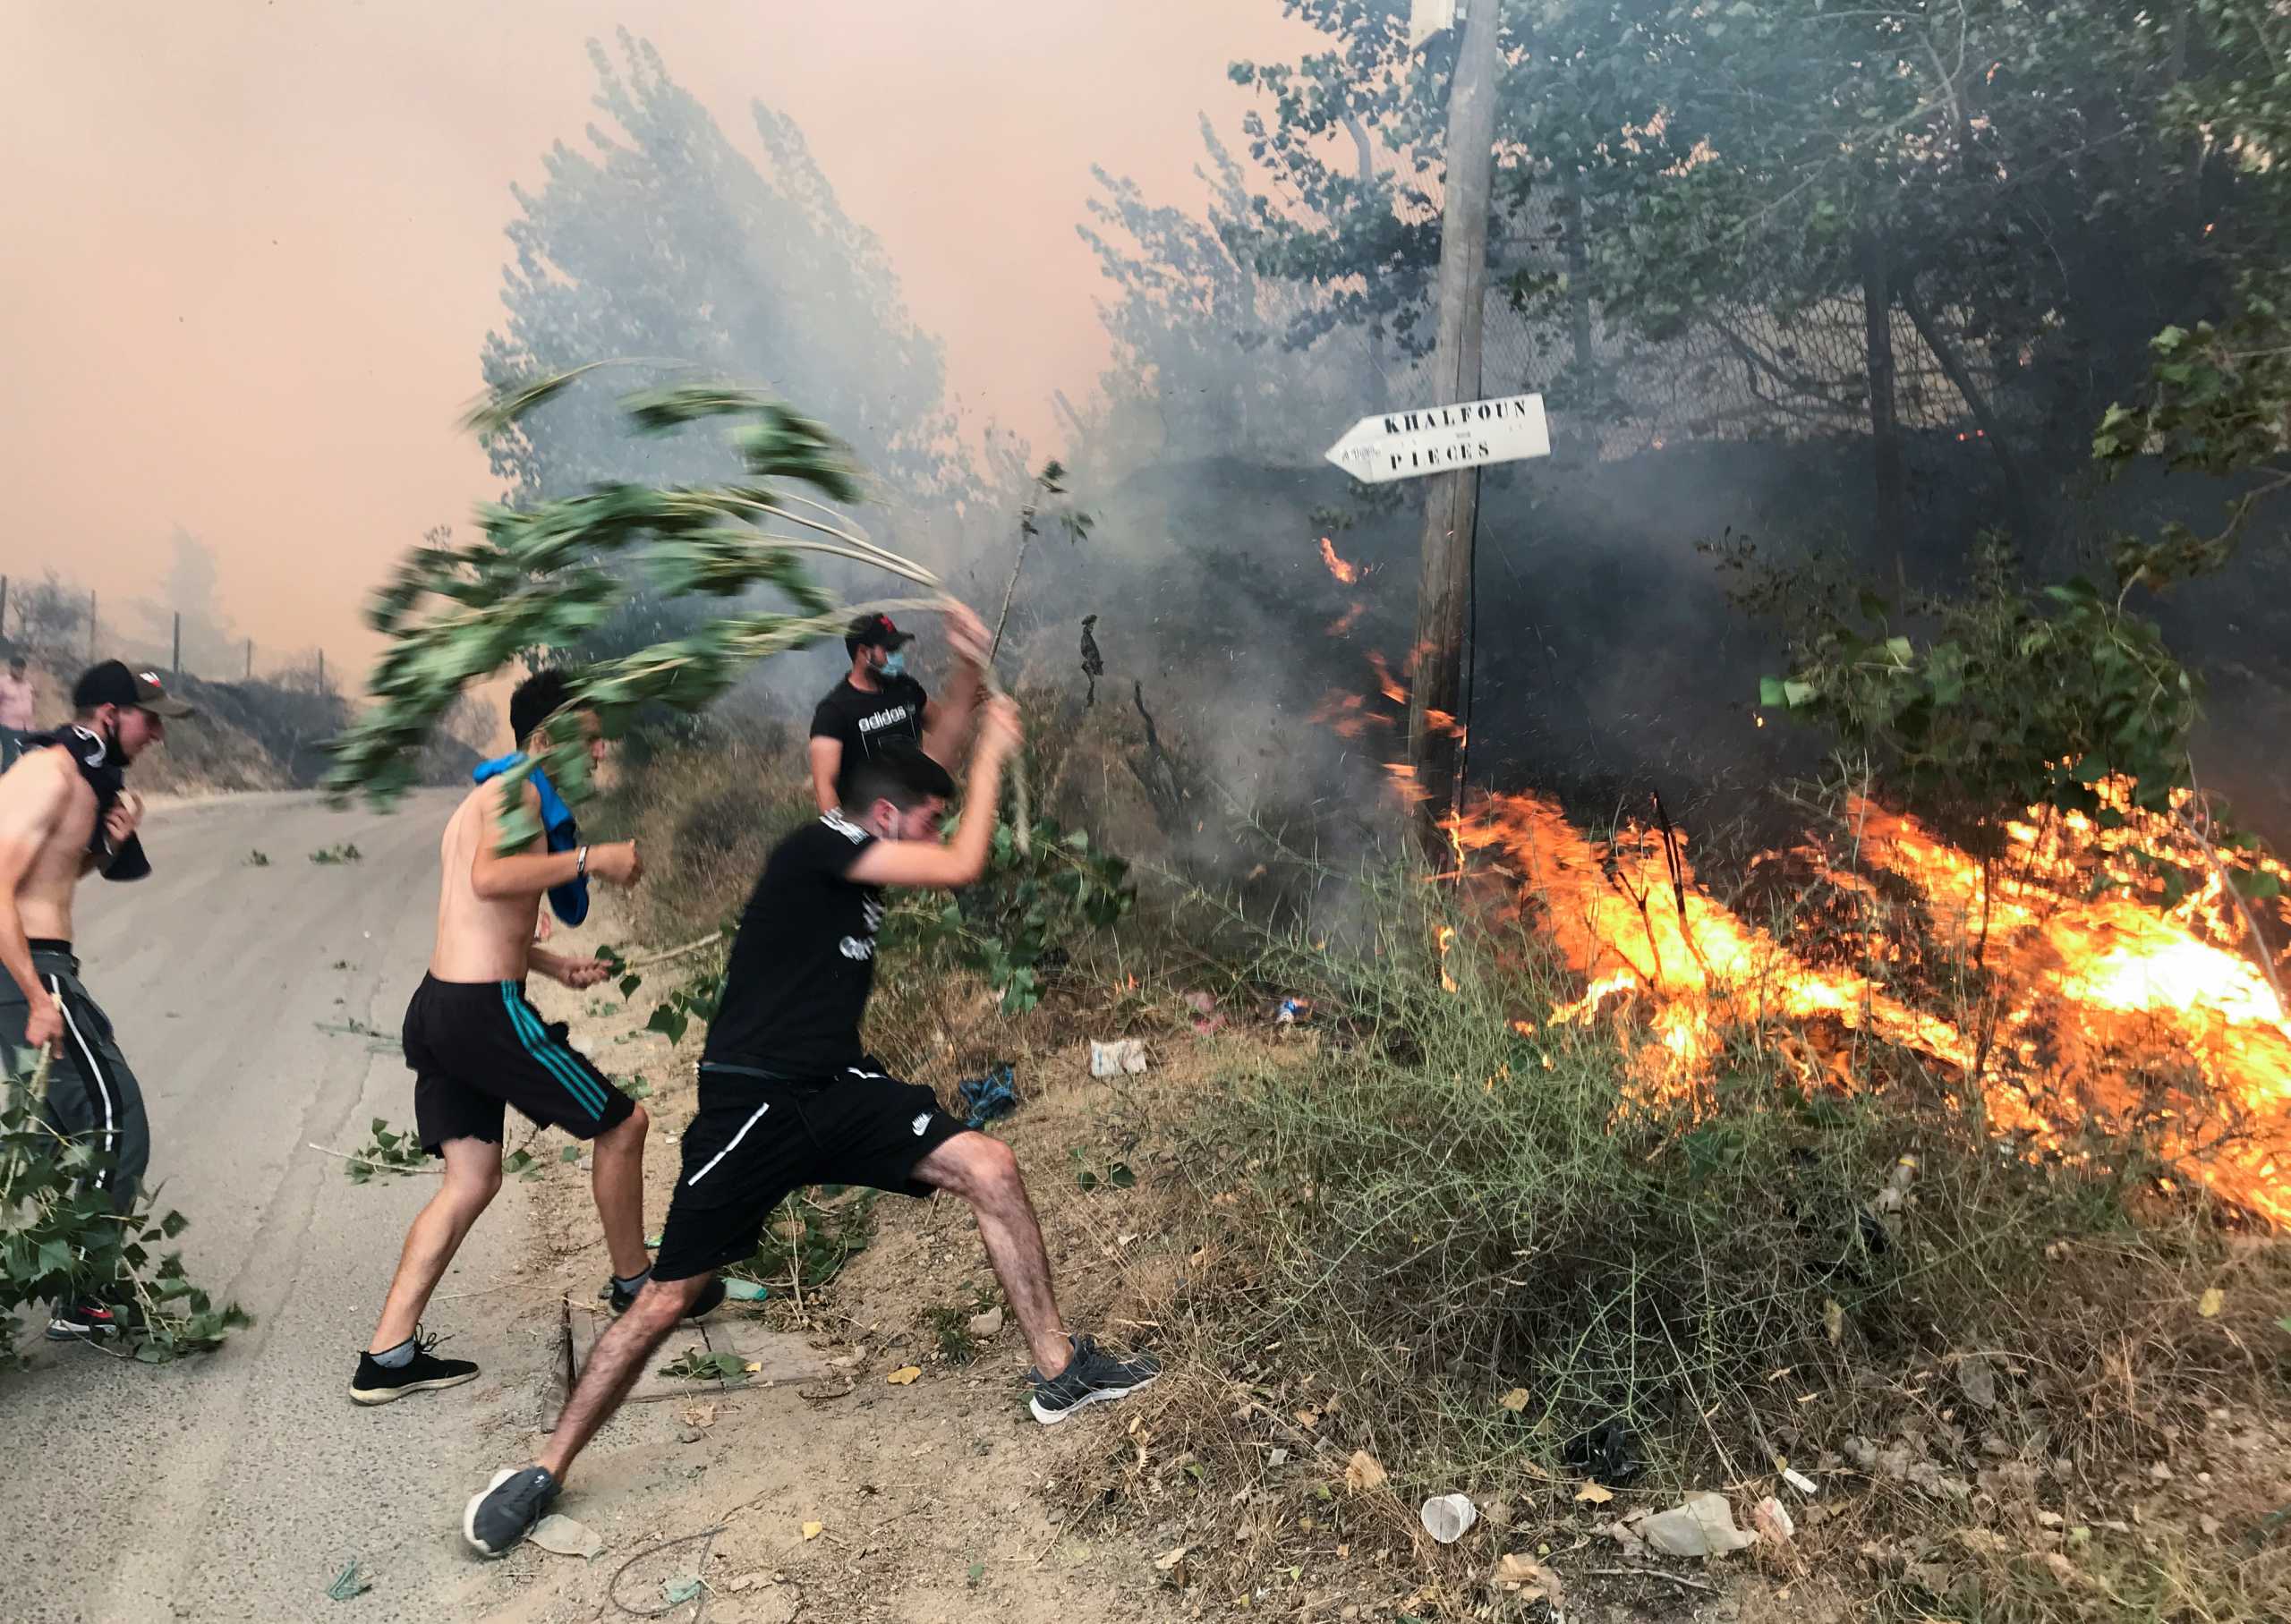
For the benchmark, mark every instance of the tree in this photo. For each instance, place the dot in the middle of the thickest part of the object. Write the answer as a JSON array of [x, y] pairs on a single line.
[[2001, 198], [2217, 399], [1199, 361], [663, 240], [50, 613]]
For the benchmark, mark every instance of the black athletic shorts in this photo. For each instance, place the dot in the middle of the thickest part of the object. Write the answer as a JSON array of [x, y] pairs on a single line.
[[476, 1047], [759, 1137]]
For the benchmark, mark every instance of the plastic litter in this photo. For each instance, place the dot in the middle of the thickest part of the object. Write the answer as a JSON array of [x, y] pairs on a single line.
[[1291, 1011], [1772, 1521], [744, 1291], [1448, 1517], [994, 1095], [1703, 1524], [1113, 1059], [349, 1583]]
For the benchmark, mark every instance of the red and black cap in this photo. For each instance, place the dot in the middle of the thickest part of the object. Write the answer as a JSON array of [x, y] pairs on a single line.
[[113, 683], [874, 632]]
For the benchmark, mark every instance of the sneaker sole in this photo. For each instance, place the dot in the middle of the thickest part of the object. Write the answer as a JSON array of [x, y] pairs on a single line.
[[1102, 1395], [469, 1516], [384, 1395], [65, 1330]]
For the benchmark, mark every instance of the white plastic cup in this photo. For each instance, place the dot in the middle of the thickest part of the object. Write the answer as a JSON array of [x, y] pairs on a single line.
[[1448, 1517]]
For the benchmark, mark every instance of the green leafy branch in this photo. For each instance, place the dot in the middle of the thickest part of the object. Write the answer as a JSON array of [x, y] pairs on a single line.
[[61, 1241], [538, 578], [1012, 927]]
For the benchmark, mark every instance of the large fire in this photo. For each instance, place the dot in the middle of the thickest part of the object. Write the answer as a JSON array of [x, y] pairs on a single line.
[[2075, 1009], [2086, 999]]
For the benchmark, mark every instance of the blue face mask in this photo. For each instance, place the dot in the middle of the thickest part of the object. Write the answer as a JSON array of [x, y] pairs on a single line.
[[895, 663]]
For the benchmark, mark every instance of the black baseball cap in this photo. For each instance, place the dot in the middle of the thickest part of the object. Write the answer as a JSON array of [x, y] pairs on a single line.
[[876, 632], [113, 683]]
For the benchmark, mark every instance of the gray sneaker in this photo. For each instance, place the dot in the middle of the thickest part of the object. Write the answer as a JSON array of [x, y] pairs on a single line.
[[506, 1511], [1091, 1376]]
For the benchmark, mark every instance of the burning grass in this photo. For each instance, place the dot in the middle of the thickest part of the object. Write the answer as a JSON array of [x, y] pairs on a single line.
[[1755, 1227]]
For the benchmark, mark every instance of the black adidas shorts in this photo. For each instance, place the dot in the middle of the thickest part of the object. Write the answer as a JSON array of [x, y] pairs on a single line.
[[758, 1138], [477, 1046]]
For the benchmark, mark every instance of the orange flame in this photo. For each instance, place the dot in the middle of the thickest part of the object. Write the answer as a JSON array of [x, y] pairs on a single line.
[[2107, 991], [1345, 622], [1348, 574], [2117, 998]]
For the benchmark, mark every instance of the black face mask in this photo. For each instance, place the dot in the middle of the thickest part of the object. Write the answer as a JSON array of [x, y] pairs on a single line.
[[97, 758]]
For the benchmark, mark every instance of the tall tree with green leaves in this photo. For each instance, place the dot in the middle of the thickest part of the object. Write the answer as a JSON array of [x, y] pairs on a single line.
[[665, 241]]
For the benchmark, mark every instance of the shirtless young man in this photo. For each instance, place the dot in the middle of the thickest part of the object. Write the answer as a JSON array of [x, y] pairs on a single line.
[[66, 813], [788, 1097], [476, 1047]]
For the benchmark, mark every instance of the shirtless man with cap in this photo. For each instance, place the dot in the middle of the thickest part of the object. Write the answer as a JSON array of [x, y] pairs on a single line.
[[65, 812]]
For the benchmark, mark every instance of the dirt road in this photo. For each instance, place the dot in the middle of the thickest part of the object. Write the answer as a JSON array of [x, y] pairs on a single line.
[[236, 1485]]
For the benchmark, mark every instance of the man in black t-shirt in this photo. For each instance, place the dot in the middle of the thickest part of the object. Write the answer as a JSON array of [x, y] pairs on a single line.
[[788, 1098], [877, 701]]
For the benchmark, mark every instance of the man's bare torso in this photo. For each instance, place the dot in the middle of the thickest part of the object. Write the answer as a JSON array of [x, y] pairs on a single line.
[[478, 940], [44, 895]]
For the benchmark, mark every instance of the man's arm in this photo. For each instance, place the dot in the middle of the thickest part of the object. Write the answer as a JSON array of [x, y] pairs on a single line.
[[827, 764], [574, 972], [32, 804], [946, 720], [526, 872], [962, 859]]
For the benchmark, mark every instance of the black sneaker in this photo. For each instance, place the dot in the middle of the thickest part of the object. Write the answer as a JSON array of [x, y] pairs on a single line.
[[710, 1296], [1091, 1376], [516, 1499], [82, 1322], [377, 1383]]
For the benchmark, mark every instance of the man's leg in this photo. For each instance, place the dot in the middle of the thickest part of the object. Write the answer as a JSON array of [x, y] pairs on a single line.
[[472, 1179], [126, 1130], [503, 1512], [614, 1365], [616, 1179], [1069, 1372], [984, 1172]]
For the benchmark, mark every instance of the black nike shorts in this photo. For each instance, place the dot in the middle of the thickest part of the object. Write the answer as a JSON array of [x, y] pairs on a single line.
[[758, 1138], [478, 1047]]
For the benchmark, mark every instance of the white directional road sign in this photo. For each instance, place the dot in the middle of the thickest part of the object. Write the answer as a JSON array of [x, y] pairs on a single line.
[[1438, 439]]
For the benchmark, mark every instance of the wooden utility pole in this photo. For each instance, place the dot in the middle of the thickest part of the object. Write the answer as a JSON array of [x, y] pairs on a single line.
[[249, 660], [92, 625], [1451, 501], [175, 665]]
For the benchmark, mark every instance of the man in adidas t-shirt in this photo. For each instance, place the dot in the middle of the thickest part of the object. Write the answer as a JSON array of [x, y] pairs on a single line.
[[877, 702], [788, 1097]]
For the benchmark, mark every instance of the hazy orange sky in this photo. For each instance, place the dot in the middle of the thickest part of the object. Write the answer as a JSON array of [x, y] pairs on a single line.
[[254, 248]]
